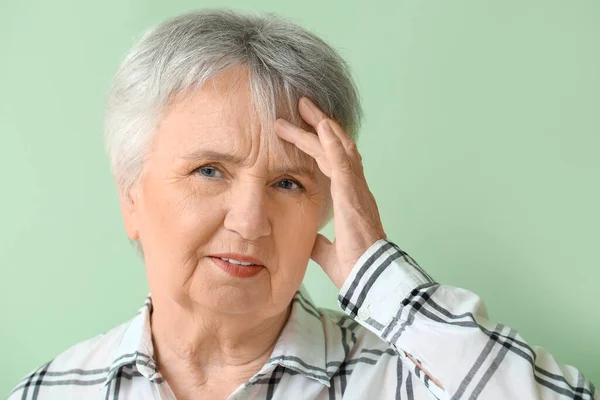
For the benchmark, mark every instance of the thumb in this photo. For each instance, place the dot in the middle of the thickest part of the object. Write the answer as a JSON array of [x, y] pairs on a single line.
[[323, 251]]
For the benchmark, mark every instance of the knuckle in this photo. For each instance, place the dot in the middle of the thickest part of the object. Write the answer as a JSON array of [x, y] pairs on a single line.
[[323, 124], [351, 147], [346, 165]]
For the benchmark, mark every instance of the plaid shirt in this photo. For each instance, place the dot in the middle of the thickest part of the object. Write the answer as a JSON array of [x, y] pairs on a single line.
[[389, 303]]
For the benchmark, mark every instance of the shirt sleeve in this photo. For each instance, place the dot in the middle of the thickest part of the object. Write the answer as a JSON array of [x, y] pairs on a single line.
[[447, 331]]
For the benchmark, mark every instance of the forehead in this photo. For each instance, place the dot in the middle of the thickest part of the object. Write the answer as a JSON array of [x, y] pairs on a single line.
[[223, 116]]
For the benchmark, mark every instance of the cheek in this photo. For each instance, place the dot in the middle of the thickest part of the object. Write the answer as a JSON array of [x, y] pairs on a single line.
[[180, 223], [179, 220], [195, 219], [294, 235]]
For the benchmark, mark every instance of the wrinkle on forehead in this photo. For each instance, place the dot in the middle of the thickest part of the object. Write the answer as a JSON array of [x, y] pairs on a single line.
[[239, 110]]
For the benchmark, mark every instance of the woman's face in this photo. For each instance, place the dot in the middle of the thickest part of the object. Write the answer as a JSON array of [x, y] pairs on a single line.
[[210, 186]]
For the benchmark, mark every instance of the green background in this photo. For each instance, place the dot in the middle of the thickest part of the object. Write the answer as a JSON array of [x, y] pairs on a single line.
[[480, 142]]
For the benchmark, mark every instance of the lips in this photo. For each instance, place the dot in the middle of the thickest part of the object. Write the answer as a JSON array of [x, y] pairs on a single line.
[[239, 259], [237, 270]]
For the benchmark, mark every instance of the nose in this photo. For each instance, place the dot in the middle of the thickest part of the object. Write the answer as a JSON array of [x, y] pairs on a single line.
[[247, 213]]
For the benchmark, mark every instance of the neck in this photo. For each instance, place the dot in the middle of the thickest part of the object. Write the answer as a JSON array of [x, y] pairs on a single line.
[[195, 345]]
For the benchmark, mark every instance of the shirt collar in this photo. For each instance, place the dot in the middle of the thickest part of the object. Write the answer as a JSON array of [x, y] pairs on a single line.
[[302, 345], [136, 346]]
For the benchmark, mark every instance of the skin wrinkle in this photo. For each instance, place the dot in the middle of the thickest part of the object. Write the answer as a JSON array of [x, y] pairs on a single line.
[[212, 332]]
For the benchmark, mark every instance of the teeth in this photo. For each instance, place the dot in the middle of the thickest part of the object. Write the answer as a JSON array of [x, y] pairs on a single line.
[[231, 260]]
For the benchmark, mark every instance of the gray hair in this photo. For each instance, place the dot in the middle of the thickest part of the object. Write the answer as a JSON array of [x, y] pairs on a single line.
[[284, 62]]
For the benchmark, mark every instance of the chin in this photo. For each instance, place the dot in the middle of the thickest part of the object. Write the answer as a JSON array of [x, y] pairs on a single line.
[[234, 299]]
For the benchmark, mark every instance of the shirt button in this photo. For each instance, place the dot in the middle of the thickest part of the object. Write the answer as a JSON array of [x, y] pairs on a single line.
[[364, 313]]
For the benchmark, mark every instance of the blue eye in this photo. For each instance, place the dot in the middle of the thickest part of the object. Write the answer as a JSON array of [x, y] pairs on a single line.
[[210, 172], [289, 184]]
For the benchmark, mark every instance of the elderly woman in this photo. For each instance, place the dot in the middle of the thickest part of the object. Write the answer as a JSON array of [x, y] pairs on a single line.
[[232, 142]]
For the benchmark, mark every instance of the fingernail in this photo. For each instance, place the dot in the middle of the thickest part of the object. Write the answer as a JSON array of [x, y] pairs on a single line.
[[310, 107], [284, 123]]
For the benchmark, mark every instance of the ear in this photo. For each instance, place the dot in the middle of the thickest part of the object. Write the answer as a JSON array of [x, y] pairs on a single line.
[[128, 202]]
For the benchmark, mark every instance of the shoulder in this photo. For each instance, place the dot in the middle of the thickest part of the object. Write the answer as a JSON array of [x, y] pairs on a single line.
[[85, 363]]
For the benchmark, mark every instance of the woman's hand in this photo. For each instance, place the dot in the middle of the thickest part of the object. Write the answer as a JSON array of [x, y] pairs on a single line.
[[356, 220]]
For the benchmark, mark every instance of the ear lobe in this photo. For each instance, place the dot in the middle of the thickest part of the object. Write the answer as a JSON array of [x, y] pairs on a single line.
[[128, 207]]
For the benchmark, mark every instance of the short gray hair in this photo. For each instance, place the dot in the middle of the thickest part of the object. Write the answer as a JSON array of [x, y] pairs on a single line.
[[284, 62]]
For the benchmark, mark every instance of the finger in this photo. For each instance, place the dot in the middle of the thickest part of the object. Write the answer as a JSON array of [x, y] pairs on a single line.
[[334, 149], [313, 115], [322, 251], [349, 146], [310, 112], [305, 141], [346, 140]]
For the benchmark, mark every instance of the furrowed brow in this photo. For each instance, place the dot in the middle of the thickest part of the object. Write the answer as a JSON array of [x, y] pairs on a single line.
[[213, 155]]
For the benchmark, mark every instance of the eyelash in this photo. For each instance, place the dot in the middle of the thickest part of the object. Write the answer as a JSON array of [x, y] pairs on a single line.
[[300, 187]]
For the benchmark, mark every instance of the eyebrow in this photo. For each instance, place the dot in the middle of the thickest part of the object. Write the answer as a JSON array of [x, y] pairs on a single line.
[[213, 155], [302, 170]]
